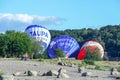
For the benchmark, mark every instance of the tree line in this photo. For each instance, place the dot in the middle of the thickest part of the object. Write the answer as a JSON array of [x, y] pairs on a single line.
[[14, 43]]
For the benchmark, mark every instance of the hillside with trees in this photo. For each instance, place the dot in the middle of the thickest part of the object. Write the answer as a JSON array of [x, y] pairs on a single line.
[[108, 36]]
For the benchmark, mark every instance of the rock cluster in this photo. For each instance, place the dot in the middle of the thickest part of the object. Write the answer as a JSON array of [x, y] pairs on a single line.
[[60, 73]]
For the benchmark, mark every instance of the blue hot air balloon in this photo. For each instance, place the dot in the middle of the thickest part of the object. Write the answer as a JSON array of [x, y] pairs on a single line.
[[39, 33], [67, 44]]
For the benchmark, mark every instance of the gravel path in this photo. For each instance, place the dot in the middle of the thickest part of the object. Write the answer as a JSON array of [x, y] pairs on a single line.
[[10, 67]]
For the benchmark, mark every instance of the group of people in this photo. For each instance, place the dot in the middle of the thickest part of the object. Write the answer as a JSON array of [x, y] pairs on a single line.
[[25, 57]]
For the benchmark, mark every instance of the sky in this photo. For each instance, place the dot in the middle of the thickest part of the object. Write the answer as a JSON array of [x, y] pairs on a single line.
[[58, 14]]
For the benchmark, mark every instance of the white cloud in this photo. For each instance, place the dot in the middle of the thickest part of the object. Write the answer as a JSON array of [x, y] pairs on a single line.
[[20, 21]]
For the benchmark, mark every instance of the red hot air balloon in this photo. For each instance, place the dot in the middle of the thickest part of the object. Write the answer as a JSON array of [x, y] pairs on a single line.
[[93, 46]]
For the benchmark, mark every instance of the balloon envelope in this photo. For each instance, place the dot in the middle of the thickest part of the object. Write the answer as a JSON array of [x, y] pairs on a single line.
[[93, 46], [39, 33], [67, 44]]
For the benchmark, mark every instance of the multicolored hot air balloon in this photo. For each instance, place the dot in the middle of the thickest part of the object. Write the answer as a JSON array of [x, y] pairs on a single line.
[[39, 33], [67, 44], [92, 46]]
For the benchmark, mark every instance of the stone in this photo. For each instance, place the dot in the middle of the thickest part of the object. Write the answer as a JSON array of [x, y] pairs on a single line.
[[52, 73], [71, 65], [63, 70], [7, 77], [17, 74], [59, 72], [32, 73], [114, 71], [86, 74], [61, 63], [79, 70], [118, 78], [44, 74], [64, 75], [65, 64], [35, 65]]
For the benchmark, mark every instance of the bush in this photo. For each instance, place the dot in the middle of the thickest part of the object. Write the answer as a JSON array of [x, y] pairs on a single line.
[[40, 56], [59, 53], [92, 56], [45, 55], [37, 56]]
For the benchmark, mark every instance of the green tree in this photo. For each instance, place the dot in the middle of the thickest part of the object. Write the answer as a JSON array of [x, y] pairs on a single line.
[[36, 49], [58, 53], [95, 56], [3, 45], [18, 44]]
